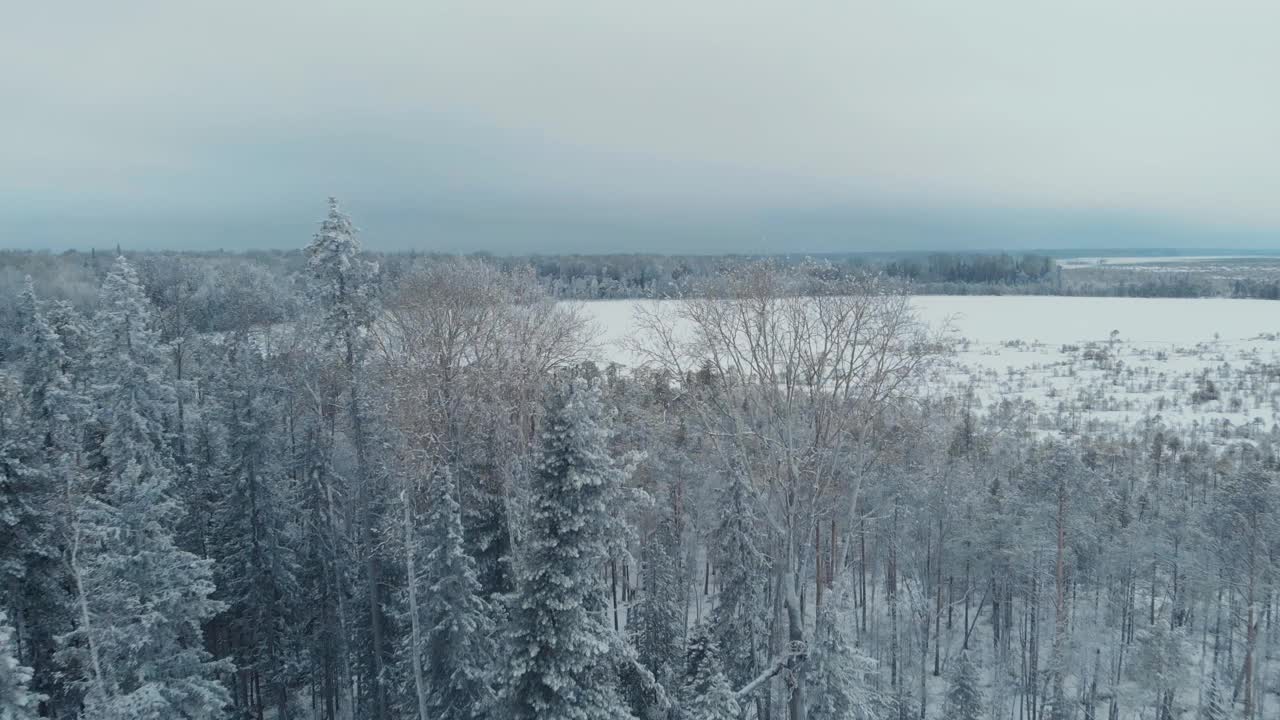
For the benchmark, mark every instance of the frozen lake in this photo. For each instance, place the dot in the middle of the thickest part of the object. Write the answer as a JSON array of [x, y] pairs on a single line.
[[1042, 319], [1035, 349]]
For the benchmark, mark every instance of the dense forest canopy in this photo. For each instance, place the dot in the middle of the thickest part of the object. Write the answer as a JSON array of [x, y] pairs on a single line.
[[328, 484]]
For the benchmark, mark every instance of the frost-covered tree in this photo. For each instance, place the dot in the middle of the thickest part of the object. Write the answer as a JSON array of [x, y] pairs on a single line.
[[343, 293], [840, 675], [253, 538], [53, 411], [705, 693], [144, 604], [964, 696], [73, 332], [47, 379], [561, 663], [131, 394], [23, 495], [32, 579], [1246, 523], [137, 650], [1215, 706], [56, 407], [456, 650], [1161, 663], [326, 556], [657, 618], [342, 281], [740, 617], [486, 524], [17, 701]]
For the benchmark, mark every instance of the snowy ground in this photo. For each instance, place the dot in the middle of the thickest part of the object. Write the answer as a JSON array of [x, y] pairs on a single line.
[[1060, 355], [1147, 259]]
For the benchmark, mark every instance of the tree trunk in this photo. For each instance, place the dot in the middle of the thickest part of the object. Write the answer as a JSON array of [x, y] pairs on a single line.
[[862, 568], [415, 623], [90, 640], [795, 633], [372, 569], [1251, 641], [937, 617], [817, 568], [1060, 609]]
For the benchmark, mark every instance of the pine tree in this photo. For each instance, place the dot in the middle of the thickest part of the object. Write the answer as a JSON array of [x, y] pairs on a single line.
[[137, 649], [1161, 662], [457, 652], [560, 643], [1245, 518], [17, 701], [706, 694], [964, 697], [739, 618]]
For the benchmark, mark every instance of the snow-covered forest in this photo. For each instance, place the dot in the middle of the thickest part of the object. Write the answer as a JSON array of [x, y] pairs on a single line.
[[429, 497]]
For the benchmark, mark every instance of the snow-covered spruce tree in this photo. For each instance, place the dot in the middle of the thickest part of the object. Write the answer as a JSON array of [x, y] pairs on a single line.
[[31, 577], [457, 650], [657, 619], [137, 649], [253, 538], [561, 665], [840, 675], [342, 288], [487, 529], [202, 484], [705, 693], [58, 407], [739, 619], [22, 493], [72, 331], [1215, 706], [56, 411], [47, 378], [17, 701], [326, 557], [131, 393], [342, 282], [964, 696]]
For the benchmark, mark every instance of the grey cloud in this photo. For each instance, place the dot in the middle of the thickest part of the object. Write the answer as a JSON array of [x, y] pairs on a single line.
[[566, 125]]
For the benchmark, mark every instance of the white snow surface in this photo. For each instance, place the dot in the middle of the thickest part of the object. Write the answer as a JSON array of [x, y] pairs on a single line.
[[1149, 259], [1058, 358]]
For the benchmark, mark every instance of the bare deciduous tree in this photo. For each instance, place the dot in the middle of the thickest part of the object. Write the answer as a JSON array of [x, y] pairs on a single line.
[[792, 374]]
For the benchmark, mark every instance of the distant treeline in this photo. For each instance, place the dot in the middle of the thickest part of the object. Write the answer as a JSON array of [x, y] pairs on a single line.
[[982, 269], [218, 288], [627, 276]]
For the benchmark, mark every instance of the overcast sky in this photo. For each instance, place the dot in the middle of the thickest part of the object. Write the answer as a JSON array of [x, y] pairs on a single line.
[[543, 125]]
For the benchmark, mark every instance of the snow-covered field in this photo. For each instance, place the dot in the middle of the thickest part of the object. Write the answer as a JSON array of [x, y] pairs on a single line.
[[1059, 353], [1147, 259]]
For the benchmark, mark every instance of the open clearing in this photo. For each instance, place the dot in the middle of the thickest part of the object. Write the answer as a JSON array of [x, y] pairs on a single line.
[[1057, 358]]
